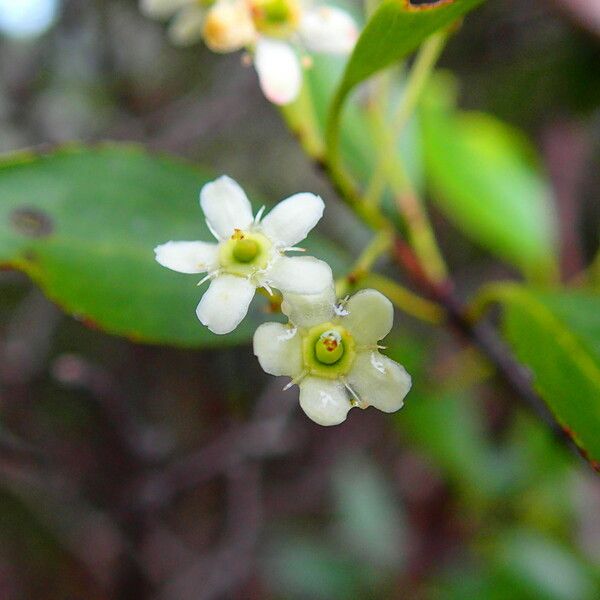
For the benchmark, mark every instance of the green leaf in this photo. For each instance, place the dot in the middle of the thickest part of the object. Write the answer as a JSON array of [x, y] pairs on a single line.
[[485, 177], [542, 568], [557, 335], [370, 520], [306, 568], [449, 429], [83, 222], [393, 31]]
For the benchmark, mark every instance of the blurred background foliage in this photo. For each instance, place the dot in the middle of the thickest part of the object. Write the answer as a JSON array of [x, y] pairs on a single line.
[[132, 471]]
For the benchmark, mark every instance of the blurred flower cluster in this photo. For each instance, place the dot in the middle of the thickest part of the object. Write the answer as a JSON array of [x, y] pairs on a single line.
[[272, 31]]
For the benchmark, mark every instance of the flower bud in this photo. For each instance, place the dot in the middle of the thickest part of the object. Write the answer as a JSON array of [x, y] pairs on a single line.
[[228, 27]]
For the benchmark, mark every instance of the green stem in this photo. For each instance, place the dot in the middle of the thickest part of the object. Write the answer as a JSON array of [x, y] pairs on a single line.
[[419, 75], [415, 83], [404, 299], [301, 118], [410, 206], [380, 244]]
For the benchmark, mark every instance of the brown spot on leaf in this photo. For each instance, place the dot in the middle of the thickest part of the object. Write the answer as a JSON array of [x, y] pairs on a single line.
[[425, 4], [31, 222]]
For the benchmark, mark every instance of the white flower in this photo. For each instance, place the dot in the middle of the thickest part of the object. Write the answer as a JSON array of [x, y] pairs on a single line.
[[250, 253], [333, 355], [272, 31]]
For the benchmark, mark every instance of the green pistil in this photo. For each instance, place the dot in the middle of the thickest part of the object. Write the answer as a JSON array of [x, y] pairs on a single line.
[[244, 253], [245, 250], [329, 347], [328, 351]]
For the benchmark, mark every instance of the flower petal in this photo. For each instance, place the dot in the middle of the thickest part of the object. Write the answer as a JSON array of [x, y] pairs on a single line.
[[307, 311], [225, 206], [291, 220], [225, 303], [278, 70], [328, 29], [370, 316], [162, 9], [278, 349], [325, 401], [188, 257], [299, 275], [379, 381], [187, 26]]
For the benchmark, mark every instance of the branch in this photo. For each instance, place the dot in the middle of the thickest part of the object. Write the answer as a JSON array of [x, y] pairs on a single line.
[[487, 341]]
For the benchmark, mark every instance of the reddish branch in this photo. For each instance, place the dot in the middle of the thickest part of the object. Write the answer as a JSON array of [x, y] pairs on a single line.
[[487, 341]]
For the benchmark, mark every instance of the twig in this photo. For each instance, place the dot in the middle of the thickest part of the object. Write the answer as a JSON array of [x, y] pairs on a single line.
[[487, 341]]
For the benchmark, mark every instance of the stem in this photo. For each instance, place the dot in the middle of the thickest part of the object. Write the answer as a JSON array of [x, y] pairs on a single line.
[[379, 244], [487, 341], [419, 75], [391, 167], [301, 118], [410, 206], [417, 79], [404, 299], [361, 277]]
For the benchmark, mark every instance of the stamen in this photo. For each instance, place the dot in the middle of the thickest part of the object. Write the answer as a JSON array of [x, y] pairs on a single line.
[[298, 379], [293, 249], [340, 311], [355, 401], [267, 287], [208, 276]]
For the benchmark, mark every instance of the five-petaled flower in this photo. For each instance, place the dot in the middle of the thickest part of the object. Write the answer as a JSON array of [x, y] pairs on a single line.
[[271, 30], [250, 253], [331, 351]]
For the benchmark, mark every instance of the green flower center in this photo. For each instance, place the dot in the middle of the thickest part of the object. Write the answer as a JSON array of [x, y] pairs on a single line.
[[328, 351], [245, 250], [244, 253], [275, 17], [329, 347]]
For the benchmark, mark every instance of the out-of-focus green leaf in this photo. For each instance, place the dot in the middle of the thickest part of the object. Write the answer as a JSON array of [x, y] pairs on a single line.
[[557, 335], [395, 29], [305, 569], [83, 222], [370, 520], [446, 426], [542, 568], [485, 178]]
